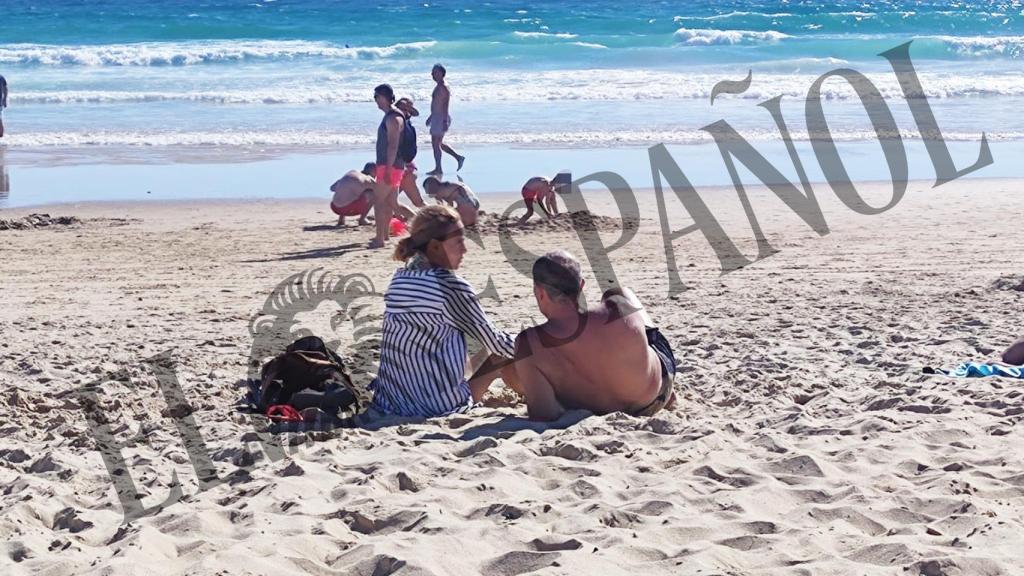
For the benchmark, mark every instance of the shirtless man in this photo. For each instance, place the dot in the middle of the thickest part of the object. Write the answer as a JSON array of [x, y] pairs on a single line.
[[353, 194], [542, 191], [439, 120], [1014, 355], [457, 193], [605, 359]]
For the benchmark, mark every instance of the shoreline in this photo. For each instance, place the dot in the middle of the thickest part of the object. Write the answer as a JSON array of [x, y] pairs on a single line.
[[488, 170], [489, 199]]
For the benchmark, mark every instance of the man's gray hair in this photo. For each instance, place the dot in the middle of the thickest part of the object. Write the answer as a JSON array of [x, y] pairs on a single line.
[[558, 272]]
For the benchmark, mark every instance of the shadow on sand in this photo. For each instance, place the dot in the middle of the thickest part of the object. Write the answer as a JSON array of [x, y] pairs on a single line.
[[326, 252]]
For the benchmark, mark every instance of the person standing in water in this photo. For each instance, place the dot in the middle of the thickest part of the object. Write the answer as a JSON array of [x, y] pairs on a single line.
[[440, 120]]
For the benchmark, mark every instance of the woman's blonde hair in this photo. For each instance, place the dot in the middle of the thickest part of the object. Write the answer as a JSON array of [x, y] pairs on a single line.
[[430, 223]]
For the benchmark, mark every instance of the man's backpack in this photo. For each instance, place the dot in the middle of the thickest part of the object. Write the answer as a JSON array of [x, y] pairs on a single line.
[[407, 142], [306, 363]]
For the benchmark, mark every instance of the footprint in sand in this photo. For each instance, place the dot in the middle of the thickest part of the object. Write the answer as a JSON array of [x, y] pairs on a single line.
[[549, 545], [477, 447], [569, 451], [746, 543], [883, 554], [379, 565], [848, 516], [15, 456], [584, 490], [519, 562], [734, 481], [796, 466], [17, 551], [407, 483], [403, 521], [67, 519], [292, 469]]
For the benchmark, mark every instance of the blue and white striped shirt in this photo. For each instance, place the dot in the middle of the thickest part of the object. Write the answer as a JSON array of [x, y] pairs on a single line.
[[427, 315]]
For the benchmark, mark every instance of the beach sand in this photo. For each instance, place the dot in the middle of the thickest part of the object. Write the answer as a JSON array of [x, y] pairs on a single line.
[[806, 439]]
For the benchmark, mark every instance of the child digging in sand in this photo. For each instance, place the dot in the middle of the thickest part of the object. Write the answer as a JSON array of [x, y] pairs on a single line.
[[457, 193], [353, 195], [542, 191]]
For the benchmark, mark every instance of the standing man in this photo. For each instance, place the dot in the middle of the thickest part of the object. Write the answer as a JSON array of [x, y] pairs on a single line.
[[439, 120], [3, 103], [390, 167]]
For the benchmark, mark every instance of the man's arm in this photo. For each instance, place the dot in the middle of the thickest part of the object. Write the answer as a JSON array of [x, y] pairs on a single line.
[[541, 402], [445, 98], [3, 93], [1015, 354], [394, 127]]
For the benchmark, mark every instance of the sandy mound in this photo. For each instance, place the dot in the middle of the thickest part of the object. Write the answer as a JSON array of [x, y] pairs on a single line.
[[1012, 282], [491, 223], [37, 221]]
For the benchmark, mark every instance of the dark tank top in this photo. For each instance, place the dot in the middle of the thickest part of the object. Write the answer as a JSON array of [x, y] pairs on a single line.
[[382, 142]]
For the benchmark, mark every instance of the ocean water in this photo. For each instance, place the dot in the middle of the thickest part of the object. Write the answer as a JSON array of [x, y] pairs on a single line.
[[135, 81], [300, 73]]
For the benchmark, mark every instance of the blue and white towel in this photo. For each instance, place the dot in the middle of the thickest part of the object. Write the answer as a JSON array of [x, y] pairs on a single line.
[[980, 369]]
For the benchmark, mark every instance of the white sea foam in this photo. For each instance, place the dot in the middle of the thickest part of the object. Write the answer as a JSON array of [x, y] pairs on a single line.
[[708, 37], [197, 52], [978, 46], [563, 35], [322, 139], [734, 14], [584, 85], [854, 14]]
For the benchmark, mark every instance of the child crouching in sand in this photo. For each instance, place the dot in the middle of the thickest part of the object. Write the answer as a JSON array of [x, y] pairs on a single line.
[[457, 193], [541, 191], [353, 195]]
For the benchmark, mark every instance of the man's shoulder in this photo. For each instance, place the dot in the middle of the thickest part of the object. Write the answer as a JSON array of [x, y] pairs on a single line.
[[528, 337], [610, 318]]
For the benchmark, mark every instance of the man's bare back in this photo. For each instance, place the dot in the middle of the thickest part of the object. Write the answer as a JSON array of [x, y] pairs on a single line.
[[350, 187], [606, 367], [600, 360]]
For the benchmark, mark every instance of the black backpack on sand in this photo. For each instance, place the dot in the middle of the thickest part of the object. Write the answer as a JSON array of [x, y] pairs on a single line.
[[306, 364]]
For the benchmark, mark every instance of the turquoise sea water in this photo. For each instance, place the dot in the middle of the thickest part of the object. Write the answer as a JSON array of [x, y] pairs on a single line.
[[230, 77]]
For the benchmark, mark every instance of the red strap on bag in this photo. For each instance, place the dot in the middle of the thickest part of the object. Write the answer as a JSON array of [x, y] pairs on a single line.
[[283, 413]]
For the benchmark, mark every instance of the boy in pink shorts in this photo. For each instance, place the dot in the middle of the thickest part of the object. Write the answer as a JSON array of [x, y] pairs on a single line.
[[542, 191]]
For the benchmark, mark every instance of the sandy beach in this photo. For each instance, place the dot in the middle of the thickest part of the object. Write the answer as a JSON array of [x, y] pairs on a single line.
[[806, 440]]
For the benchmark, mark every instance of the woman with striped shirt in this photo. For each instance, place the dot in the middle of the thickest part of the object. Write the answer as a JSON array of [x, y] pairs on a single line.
[[429, 310]]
